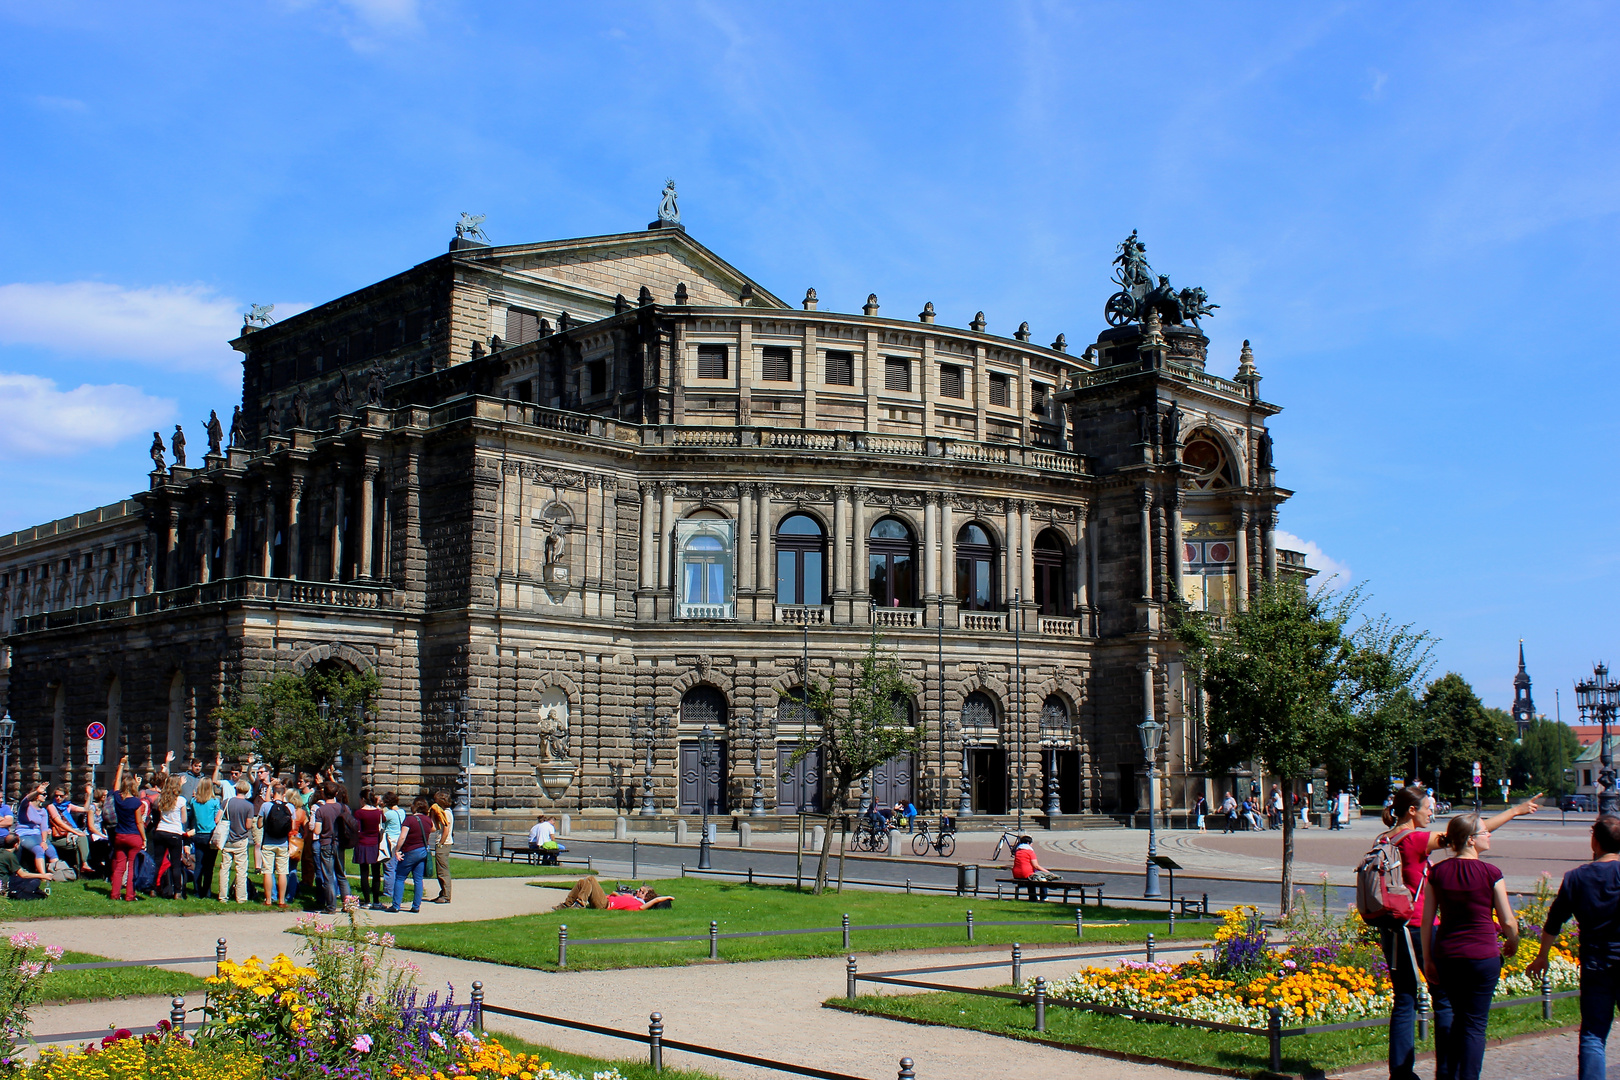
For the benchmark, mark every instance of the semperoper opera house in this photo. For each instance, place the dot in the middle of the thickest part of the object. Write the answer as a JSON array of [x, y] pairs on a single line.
[[608, 491]]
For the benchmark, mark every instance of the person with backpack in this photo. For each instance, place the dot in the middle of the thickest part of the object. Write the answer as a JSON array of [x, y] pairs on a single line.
[[1389, 895], [276, 822], [411, 858]]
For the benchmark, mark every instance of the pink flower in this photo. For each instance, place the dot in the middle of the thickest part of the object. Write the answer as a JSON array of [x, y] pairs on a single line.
[[438, 1040], [362, 1044], [1289, 964]]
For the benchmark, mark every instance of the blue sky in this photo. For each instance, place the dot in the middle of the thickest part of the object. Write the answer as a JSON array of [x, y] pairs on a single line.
[[1409, 209]]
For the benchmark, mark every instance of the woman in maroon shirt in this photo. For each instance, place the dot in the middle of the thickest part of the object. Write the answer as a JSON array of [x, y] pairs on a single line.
[[1462, 954], [369, 819]]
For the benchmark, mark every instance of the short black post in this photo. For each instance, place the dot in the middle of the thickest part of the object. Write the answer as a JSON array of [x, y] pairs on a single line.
[[750, 875], [970, 924], [219, 955], [908, 886], [1018, 965], [1172, 932], [562, 946], [655, 1042], [1422, 1011], [478, 1005], [1206, 905], [633, 857], [1150, 949], [683, 869], [906, 1071], [849, 980], [1040, 1003], [1080, 920], [177, 1014], [714, 940], [846, 932], [1546, 995], [1274, 1036]]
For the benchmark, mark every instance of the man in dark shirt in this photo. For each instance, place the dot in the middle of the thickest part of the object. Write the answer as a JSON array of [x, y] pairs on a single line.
[[1591, 893], [20, 867]]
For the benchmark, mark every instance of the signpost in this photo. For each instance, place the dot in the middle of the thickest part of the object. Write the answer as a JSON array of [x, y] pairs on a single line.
[[1479, 778], [94, 733]]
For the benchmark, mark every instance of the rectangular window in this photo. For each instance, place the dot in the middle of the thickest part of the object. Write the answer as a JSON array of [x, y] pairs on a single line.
[[599, 376], [523, 391], [998, 390], [897, 374], [1037, 398], [776, 365], [521, 326], [711, 361], [950, 381], [840, 368]]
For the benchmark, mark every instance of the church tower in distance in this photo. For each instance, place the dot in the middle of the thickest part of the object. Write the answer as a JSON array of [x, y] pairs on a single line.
[[1524, 709]]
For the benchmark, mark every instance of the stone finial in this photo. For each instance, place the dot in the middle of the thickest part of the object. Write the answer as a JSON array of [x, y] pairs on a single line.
[[810, 300], [978, 324], [1022, 333], [644, 297], [1155, 329], [495, 343], [564, 323], [746, 297], [476, 352], [1061, 344], [927, 313], [545, 327], [620, 304], [680, 293], [1246, 361], [871, 307]]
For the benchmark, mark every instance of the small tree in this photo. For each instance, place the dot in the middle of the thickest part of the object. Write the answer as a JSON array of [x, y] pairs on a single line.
[[1541, 756], [1288, 685], [858, 732], [280, 719]]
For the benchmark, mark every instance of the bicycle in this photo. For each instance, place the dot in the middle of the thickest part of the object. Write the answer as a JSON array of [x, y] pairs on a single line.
[[1007, 840], [866, 838], [943, 841]]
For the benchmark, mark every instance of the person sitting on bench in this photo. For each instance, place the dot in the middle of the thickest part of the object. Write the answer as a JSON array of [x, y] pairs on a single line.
[[1026, 867], [587, 892], [543, 841]]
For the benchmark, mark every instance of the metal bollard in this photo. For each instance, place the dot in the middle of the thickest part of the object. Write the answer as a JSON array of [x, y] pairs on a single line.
[[683, 869], [750, 875], [908, 886], [1150, 949], [1172, 932], [1080, 921], [846, 932], [1274, 1037], [633, 858], [1546, 995], [1018, 965], [1206, 905], [478, 1005], [849, 980], [906, 1071], [562, 946], [970, 924], [1422, 1012], [655, 1041], [1040, 1003], [177, 1014], [219, 955], [714, 940]]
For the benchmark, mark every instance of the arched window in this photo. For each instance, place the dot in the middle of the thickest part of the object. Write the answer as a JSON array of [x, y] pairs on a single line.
[[1054, 720], [892, 558], [704, 546], [975, 569], [1051, 574], [979, 714], [1206, 464], [800, 561]]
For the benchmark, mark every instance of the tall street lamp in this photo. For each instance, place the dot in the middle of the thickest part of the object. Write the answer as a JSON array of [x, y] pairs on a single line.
[[649, 727], [1151, 731], [8, 731], [1017, 613], [964, 802], [939, 640], [1598, 698], [705, 760], [1054, 734], [757, 728], [464, 722]]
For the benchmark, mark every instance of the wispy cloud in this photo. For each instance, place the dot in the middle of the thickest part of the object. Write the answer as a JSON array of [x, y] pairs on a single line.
[[1332, 573], [60, 104], [36, 417]]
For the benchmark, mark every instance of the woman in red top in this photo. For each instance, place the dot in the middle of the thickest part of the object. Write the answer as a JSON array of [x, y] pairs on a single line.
[[367, 847], [1410, 815], [1026, 866], [412, 854], [1462, 955]]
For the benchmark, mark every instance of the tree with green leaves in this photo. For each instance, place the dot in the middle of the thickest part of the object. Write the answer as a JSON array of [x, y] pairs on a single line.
[[1289, 684], [860, 730], [1542, 754], [280, 720], [1457, 731]]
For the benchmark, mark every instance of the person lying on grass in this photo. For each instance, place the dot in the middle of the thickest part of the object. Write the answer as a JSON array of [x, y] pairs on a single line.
[[587, 892]]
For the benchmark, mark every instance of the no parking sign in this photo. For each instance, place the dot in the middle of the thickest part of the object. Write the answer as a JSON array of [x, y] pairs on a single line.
[[94, 733]]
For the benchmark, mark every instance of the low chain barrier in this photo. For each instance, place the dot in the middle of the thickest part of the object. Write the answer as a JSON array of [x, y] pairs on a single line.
[[1273, 1032], [177, 1004]]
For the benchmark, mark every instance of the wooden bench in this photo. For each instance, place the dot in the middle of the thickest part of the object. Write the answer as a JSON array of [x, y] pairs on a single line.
[[1055, 885]]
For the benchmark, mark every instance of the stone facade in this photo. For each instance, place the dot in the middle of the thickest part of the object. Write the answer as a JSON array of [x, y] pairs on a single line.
[[611, 487]]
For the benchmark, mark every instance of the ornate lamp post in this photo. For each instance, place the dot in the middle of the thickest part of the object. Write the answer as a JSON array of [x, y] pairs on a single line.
[[464, 723], [705, 759], [1054, 734], [8, 731], [1151, 731], [757, 728], [964, 802], [1599, 698], [649, 726]]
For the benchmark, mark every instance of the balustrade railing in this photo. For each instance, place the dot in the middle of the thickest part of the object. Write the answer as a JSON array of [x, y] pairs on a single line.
[[1059, 627], [707, 611], [983, 621], [276, 590], [892, 616], [801, 615]]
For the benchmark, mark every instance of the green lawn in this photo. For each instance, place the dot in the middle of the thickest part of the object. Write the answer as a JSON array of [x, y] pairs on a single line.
[[117, 982], [1194, 1046], [531, 940], [630, 1068]]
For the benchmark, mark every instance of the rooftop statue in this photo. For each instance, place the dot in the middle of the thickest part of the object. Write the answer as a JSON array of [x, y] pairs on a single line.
[[1140, 293], [216, 432], [259, 315], [177, 445], [469, 227], [238, 428], [667, 210], [157, 452]]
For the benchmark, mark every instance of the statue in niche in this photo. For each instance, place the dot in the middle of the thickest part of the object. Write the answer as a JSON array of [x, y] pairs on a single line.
[[344, 397], [552, 727], [1263, 451], [1172, 425], [157, 453], [216, 432], [375, 384], [177, 446], [272, 422], [301, 408], [238, 428]]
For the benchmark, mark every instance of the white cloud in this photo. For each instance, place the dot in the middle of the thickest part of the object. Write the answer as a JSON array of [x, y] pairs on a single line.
[[37, 418], [60, 104], [1330, 571]]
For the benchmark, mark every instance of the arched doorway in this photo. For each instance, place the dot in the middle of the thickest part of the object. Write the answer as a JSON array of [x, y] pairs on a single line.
[[703, 706], [986, 757], [894, 781], [798, 784]]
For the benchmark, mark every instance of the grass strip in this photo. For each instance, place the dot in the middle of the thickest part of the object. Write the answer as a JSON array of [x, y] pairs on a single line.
[[103, 983], [629, 1068], [531, 940], [1245, 1054]]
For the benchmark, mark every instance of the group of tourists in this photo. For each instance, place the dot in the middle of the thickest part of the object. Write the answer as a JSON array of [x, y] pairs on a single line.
[[169, 835]]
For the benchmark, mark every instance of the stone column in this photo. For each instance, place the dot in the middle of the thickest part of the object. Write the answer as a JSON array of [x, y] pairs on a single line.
[[336, 570], [666, 536], [1268, 520], [840, 541], [1027, 562], [1177, 544], [930, 546], [1010, 575], [231, 498], [205, 530], [1144, 497], [267, 542], [745, 533], [1082, 569], [860, 581], [1241, 519], [295, 495], [368, 496], [767, 580], [649, 540], [171, 549], [947, 547]]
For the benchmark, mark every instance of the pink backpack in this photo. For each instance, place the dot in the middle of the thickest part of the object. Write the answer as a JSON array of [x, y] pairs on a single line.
[[1382, 895]]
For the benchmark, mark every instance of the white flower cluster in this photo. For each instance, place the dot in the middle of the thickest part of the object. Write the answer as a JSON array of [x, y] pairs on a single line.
[[1565, 975], [1220, 1008]]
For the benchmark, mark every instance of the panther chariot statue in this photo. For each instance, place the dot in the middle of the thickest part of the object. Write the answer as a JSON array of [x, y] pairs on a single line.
[[1141, 292]]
